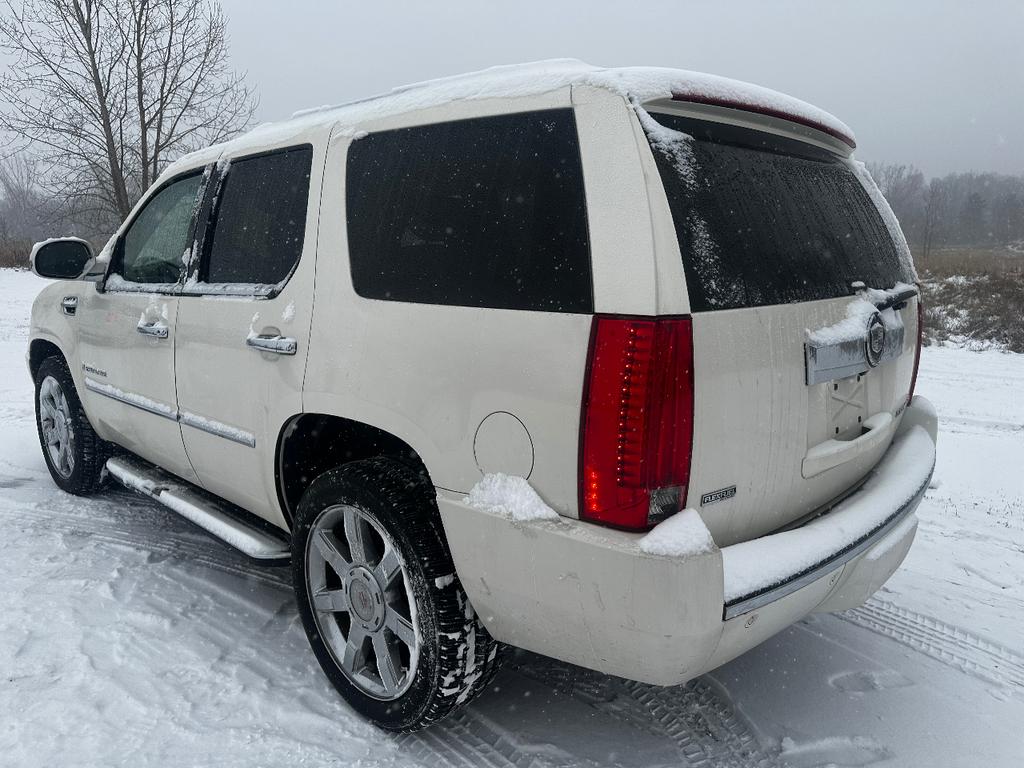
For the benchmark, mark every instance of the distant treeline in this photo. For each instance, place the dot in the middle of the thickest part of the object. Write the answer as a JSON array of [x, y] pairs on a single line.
[[959, 209]]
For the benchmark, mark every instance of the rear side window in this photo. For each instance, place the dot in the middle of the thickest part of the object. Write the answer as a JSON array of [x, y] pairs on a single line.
[[487, 212], [260, 218], [767, 220]]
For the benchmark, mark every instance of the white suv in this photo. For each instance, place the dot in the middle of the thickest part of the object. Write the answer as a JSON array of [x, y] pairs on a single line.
[[616, 366]]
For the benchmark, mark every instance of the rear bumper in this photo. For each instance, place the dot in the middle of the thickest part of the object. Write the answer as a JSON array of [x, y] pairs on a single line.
[[589, 596]]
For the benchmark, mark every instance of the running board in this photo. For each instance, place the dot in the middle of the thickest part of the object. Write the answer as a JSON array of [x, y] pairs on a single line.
[[199, 507]]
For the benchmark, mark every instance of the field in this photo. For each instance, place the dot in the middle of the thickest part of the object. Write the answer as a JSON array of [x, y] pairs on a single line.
[[127, 636], [974, 298]]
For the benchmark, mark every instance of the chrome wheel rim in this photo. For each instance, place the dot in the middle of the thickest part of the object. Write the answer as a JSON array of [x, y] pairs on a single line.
[[361, 598], [56, 426]]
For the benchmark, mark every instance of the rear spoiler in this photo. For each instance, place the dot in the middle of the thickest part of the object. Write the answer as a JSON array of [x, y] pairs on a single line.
[[830, 129]]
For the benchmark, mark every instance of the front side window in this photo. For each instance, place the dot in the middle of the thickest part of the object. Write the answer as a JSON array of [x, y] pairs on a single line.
[[260, 221], [486, 212], [153, 248]]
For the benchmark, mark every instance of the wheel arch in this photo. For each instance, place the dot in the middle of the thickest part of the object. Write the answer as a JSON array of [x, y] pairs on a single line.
[[309, 444], [38, 350]]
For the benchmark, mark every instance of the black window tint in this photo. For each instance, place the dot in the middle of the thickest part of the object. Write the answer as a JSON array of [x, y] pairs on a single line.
[[153, 248], [488, 212], [260, 218], [766, 220]]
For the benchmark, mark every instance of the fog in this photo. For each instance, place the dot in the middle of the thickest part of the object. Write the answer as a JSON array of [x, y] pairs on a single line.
[[937, 84]]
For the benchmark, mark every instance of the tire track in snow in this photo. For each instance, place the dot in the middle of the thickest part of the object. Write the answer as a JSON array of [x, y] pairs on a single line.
[[697, 716], [704, 727], [159, 541], [943, 642], [465, 741]]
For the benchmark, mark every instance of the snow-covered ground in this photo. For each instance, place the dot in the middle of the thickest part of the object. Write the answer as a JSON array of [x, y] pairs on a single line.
[[127, 636]]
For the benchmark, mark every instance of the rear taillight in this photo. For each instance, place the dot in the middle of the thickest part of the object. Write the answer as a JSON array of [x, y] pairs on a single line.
[[636, 428], [917, 352]]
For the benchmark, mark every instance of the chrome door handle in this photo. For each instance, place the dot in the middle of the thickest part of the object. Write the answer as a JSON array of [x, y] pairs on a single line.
[[279, 345], [69, 304], [156, 329]]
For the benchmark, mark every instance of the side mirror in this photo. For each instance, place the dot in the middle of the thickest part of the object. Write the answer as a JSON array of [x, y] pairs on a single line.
[[63, 258]]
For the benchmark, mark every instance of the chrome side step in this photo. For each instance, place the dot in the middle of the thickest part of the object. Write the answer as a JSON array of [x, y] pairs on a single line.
[[199, 507]]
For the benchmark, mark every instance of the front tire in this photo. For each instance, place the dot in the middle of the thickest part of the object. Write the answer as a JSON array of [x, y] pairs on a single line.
[[74, 453], [382, 607]]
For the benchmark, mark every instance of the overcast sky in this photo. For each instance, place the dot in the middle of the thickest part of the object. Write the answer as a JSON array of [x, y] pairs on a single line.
[[934, 83]]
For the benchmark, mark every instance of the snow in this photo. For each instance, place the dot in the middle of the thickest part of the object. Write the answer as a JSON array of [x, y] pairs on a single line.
[[217, 427], [509, 496], [135, 399], [682, 535], [641, 84], [761, 563], [130, 637], [116, 282], [854, 326]]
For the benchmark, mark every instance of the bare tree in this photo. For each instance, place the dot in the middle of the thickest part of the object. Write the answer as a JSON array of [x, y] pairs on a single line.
[[107, 92], [936, 205]]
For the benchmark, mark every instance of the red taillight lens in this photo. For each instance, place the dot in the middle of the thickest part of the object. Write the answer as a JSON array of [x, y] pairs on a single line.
[[636, 430], [917, 352]]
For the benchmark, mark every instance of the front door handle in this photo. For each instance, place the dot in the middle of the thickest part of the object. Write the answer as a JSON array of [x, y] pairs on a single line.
[[155, 329], [266, 342]]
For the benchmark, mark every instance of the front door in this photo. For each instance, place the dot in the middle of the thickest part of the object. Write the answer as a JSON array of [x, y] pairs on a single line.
[[127, 328], [243, 322]]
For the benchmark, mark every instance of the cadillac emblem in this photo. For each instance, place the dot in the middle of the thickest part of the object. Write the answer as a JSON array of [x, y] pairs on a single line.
[[874, 344]]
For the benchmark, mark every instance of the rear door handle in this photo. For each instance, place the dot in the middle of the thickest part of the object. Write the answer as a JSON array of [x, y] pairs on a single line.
[[279, 345], [155, 329], [69, 304]]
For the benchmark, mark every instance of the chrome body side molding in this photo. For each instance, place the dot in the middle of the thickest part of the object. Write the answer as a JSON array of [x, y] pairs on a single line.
[[193, 420]]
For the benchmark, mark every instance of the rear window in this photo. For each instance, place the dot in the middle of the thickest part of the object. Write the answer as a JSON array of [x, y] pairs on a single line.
[[487, 212], [767, 220]]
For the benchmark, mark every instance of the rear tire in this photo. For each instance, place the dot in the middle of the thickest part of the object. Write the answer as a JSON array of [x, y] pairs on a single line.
[[74, 453], [384, 612]]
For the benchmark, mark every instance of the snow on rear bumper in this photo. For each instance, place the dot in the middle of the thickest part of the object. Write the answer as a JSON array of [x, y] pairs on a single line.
[[761, 571], [588, 595]]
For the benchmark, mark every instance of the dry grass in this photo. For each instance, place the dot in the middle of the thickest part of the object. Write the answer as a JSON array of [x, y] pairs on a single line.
[[14, 254], [974, 297]]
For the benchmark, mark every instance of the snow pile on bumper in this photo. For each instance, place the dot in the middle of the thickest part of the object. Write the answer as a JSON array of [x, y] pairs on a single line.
[[758, 566]]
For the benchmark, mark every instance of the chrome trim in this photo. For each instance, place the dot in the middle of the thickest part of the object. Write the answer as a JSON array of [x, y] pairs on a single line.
[[210, 426], [156, 329], [123, 397], [743, 605], [279, 345], [217, 428], [197, 507], [843, 359]]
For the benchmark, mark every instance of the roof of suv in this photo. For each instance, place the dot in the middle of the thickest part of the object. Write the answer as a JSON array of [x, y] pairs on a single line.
[[640, 84]]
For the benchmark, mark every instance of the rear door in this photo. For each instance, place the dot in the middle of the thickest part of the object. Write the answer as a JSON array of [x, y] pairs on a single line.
[[127, 330], [243, 321], [791, 270]]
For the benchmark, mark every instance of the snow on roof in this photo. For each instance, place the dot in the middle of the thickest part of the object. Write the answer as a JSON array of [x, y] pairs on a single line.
[[640, 84]]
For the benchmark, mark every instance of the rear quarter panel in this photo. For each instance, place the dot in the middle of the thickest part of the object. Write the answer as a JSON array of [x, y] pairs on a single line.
[[430, 374]]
